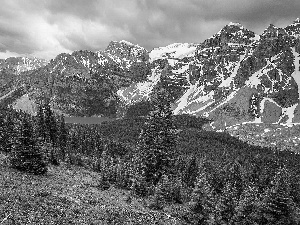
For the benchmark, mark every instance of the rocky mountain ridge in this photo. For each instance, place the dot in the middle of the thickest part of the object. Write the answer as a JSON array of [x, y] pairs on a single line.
[[83, 83], [233, 77]]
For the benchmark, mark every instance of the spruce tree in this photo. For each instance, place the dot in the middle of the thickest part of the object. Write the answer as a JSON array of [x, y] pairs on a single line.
[[50, 124], [10, 132], [3, 133], [203, 197], [277, 206], [51, 132], [62, 137], [41, 129], [158, 138], [226, 203], [26, 156], [245, 210]]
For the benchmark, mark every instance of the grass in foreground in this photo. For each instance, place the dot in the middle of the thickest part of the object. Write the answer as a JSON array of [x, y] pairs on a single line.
[[68, 195]]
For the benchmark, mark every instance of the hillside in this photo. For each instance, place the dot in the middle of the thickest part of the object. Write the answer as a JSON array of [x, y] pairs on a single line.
[[68, 195]]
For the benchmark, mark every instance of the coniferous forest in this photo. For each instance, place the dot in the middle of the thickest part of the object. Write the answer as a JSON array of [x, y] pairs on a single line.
[[212, 178]]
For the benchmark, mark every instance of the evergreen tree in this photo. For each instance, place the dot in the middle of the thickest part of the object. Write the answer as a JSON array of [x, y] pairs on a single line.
[[41, 129], [25, 154], [3, 133], [190, 171], [62, 137], [277, 206], [10, 132], [245, 210], [50, 124], [158, 138], [51, 132], [203, 197], [226, 203]]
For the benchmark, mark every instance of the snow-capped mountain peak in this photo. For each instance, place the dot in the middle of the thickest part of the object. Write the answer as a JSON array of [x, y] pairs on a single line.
[[126, 42], [174, 51], [236, 24]]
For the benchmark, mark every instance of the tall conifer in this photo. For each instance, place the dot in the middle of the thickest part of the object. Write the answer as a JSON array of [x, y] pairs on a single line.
[[26, 156], [158, 138]]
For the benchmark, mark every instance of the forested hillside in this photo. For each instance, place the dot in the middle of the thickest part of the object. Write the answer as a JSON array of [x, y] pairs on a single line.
[[164, 162]]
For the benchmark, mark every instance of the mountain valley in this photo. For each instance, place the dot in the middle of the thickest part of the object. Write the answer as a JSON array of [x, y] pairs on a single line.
[[234, 78]]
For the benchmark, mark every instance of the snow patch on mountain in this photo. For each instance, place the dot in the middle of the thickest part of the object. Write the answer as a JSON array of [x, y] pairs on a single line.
[[236, 24], [227, 82], [183, 101], [296, 74], [255, 80], [289, 112], [141, 90], [26, 104], [126, 42], [177, 51]]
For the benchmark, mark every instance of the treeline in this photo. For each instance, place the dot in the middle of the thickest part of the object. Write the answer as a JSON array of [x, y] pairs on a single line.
[[213, 178]]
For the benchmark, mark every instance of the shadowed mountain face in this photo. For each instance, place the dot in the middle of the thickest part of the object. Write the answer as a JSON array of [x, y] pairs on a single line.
[[83, 83], [235, 76], [11, 69]]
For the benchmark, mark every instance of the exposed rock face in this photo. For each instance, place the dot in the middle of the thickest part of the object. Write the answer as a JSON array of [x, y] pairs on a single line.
[[235, 111], [271, 113], [18, 65], [83, 83], [225, 78]]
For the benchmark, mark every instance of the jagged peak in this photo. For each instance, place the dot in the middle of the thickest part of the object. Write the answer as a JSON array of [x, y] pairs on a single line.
[[271, 26], [236, 24], [126, 42], [270, 29], [297, 20]]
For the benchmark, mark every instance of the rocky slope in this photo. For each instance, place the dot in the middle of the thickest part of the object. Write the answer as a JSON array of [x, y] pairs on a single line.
[[12, 68], [83, 83], [235, 76]]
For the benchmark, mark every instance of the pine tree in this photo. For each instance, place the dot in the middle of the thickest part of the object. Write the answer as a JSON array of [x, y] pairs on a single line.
[[41, 128], [203, 197], [50, 124], [62, 137], [245, 210], [3, 133], [25, 154], [226, 203], [158, 138], [51, 132], [190, 171], [277, 206], [10, 133]]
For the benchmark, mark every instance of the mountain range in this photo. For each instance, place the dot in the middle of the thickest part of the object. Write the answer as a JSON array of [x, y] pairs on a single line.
[[233, 77]]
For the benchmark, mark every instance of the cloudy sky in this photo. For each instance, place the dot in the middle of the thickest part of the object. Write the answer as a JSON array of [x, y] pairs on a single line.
[[45, 28]]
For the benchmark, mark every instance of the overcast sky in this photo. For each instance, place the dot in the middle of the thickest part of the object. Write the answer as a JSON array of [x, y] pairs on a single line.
[[45, 28]]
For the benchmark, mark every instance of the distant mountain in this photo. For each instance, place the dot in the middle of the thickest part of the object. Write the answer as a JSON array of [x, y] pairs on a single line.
[[83, 83], [233, 77], [13, 69], [18, 65], [294, 28]]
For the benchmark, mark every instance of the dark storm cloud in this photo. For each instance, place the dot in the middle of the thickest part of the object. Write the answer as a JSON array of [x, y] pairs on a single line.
[[44, 28]]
